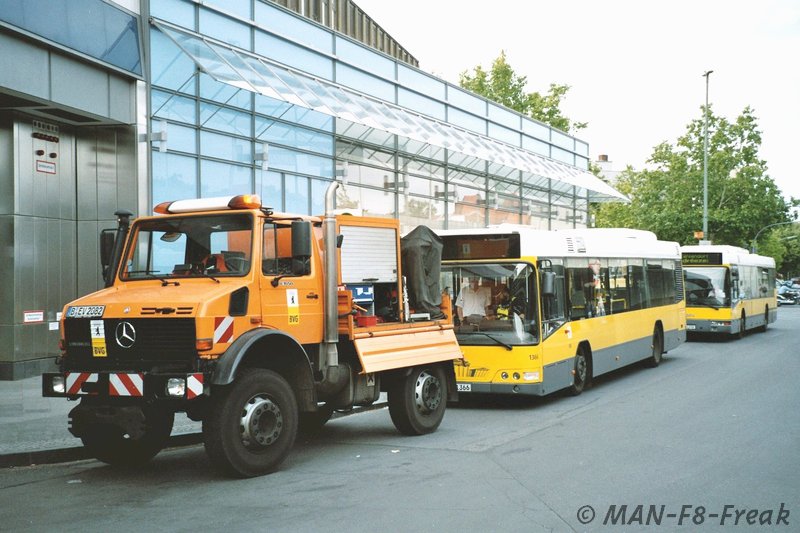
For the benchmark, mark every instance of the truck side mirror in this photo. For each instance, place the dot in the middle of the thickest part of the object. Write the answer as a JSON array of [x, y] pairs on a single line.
[[301, 247], [106, 247]]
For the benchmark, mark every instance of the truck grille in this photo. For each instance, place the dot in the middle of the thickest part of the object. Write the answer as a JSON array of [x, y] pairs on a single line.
[[159, 342]]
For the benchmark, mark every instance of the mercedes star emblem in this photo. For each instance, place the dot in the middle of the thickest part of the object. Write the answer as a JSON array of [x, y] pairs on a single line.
[[125, 334]]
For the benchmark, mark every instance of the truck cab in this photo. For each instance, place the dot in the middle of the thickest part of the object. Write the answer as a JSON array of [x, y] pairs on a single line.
[[259, 324]]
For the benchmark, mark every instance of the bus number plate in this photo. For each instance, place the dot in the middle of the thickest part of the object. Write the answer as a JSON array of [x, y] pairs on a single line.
[[464, 387]]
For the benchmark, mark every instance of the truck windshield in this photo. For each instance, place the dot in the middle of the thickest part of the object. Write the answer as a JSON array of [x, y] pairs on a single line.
[[707, 286], [493, 303], [189, 247]]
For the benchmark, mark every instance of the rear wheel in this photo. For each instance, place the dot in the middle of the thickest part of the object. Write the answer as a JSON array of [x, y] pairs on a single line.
[[112, 445], [252, 424], [766, 320], [417, 401], [580, 372], [657, 348]]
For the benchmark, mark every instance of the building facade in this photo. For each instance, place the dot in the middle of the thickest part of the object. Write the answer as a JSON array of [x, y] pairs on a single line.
[[169, 99]]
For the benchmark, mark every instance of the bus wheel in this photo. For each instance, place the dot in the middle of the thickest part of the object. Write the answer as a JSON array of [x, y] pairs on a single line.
[[766, 320], [252, 424], [742, 326], [110, 444], [417, 401], [580, 374], [657, 348]]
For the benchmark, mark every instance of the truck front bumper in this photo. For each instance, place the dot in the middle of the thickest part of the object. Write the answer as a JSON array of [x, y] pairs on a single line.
[[142, 385]]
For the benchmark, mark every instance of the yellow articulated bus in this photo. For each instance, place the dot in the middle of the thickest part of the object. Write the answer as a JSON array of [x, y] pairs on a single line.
[[728, 290], [540, 311]]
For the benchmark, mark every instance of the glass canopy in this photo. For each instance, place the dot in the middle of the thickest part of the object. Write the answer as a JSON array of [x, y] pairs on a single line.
[[257, 74]]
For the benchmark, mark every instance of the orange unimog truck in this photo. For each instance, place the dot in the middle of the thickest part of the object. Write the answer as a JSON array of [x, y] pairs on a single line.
[[256, 323]]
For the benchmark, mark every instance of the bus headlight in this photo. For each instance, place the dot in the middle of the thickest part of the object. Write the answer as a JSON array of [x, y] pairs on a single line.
[[531, 376], [176, 387], [504, 375]]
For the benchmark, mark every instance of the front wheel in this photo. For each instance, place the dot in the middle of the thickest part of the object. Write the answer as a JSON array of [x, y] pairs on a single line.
[[417, 401], [252, 424], [580, 373], [742, 327], [657, 348], [112, 445]]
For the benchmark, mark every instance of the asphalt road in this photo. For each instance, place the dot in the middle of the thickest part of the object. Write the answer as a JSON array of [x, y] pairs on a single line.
[[716, 425]]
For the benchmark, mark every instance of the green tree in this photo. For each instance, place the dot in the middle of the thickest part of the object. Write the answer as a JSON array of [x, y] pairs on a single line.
[[667, 198], [504, 86], [783, 244]]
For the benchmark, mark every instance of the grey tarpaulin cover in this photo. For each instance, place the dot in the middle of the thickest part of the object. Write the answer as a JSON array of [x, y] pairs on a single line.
[[421, 253]]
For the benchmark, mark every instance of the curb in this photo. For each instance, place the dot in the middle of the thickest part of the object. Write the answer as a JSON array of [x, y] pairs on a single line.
[[78, 453]]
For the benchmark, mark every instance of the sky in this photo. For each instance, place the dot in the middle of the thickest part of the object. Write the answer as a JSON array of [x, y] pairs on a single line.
[[635, 67]]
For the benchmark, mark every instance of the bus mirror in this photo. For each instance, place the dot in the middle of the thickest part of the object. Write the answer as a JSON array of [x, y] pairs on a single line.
[[548, 283]]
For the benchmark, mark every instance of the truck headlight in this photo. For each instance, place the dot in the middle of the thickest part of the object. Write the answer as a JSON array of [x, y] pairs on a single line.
[[58, 385], [176, 387]]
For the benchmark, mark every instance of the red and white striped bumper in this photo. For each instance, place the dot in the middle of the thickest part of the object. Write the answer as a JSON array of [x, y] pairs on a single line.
[[120, 385]]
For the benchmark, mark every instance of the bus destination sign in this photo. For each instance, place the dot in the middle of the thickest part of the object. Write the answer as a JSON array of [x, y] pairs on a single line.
[[701, 258]]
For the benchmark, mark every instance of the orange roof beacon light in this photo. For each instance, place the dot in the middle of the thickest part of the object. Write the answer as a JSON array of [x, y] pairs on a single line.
[[242, 201], [245, 201]]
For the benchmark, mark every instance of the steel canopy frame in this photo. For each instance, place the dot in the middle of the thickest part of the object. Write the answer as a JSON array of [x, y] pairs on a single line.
[[257, 74]]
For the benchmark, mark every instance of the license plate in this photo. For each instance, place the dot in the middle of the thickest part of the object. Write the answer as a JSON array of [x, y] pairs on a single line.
[[690, 326], [464, 387]]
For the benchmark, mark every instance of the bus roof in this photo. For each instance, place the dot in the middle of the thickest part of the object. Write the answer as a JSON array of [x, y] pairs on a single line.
[[594, 242], [731, 255]]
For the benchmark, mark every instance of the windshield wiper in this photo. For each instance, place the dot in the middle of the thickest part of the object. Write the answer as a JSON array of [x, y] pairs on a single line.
[[495, 339], [705, 304], [151, 274], [209, 276]]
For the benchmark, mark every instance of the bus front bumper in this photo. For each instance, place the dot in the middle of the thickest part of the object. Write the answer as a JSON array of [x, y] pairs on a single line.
[[712, 326], [525, 389]]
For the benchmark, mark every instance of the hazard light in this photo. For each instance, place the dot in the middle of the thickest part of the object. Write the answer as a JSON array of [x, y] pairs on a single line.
[[242, 201]]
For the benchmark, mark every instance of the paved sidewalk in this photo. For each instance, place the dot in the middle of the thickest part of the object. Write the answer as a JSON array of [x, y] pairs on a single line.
[[33, 429]]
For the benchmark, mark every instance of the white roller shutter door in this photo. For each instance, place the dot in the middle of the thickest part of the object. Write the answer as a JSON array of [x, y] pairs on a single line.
[[369, 255]]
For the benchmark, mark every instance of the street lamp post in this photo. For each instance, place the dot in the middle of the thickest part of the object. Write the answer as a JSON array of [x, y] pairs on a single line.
[[754, 245], [705, 162]]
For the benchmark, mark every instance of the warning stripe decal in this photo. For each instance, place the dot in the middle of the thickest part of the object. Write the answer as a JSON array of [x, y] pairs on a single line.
[[75, 381], [194, 386], [223, 329], [126, 385]]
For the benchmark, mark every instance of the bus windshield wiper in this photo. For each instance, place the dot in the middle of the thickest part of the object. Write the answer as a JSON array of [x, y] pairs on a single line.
[[495, 339], [706, 304]]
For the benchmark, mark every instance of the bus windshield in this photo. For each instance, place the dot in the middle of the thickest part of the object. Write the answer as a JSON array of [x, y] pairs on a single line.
[[707, 286], [493, 303]]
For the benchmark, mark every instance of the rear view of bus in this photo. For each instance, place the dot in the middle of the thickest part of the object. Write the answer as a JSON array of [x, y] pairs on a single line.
[[541, 311], [728, 290]]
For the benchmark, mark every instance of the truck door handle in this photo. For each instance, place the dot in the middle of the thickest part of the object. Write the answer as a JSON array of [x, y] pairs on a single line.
[[312, 296]]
